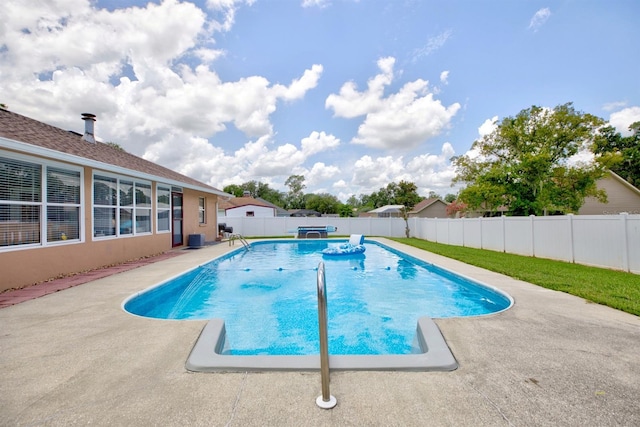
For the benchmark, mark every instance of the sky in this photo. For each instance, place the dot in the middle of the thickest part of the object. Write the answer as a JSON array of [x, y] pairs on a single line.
[[352, 95]]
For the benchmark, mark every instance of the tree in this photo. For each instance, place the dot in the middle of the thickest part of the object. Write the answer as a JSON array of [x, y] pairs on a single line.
[[406, 194], [324, 203], [234, 189], [450, 198], [524, 164], [256, 189], [295, 197], [622, 154], [115, 145]]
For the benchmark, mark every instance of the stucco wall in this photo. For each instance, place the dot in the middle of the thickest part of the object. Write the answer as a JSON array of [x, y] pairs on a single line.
[[22, 266], [190, 213]]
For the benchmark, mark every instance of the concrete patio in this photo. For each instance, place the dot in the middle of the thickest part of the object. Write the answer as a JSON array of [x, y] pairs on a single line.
[[74, 357]]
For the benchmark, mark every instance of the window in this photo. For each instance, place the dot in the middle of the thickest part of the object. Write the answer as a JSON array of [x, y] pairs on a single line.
[[251, 213], [202, 211], [121, 207], [33, 194], [163, 207], [63, 204]]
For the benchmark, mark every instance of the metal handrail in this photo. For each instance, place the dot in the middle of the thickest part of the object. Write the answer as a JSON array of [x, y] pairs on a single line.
[[326, 400], [235, 237]]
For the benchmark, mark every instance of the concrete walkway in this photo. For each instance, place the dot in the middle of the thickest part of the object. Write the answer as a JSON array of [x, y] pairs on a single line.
[[75, 357]]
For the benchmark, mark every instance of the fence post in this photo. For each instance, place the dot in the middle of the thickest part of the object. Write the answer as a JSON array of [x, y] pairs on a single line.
[[571, 240], [504, 238], [625, 242], [533, 235]]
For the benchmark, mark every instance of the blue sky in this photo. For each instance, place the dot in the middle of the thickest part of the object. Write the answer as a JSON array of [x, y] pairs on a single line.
[[352, 95]]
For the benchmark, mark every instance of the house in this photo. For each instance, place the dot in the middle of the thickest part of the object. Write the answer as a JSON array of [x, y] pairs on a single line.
[[621, 197], [430, 208], [386, 211], [304, 213], [69, 203], [247, 206]]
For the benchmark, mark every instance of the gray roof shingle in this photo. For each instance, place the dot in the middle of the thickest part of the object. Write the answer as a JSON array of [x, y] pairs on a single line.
[[23, 129]]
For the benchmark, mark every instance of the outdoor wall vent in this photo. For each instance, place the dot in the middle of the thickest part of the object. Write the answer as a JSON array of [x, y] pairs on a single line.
[[89, 120]]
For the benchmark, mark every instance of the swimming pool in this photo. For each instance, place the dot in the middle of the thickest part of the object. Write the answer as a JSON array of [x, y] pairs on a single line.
[[379, 303]]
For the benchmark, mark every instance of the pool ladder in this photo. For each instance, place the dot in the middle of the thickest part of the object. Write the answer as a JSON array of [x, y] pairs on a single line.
[[234, 237], [325, 400]]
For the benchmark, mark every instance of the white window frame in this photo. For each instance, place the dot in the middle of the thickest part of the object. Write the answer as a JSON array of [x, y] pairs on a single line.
[[120, 208], [163, 210], [202, 210], [44, 204]]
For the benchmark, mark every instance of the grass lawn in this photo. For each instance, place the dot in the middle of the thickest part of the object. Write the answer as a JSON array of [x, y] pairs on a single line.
[[615, 289]]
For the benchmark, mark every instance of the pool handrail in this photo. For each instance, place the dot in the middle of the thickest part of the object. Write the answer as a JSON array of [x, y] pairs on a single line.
[[236, 236], [326, 400]]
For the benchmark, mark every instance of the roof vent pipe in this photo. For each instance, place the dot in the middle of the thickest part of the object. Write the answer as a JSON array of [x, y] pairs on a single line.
[[89, 120]]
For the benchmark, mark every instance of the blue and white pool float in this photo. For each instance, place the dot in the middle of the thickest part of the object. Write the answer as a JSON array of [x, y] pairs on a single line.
[[353, 247]]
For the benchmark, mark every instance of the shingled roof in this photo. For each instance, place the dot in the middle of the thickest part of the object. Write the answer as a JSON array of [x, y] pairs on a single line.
[[29, 131]]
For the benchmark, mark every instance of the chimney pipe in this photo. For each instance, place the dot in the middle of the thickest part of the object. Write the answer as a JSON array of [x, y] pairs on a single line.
[[89, 120]]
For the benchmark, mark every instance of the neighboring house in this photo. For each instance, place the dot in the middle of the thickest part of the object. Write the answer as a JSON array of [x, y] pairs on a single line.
[[430, 208], [247, 206], [303, 213], [621, 197], [279, 211], [393, 211], [70, 204]]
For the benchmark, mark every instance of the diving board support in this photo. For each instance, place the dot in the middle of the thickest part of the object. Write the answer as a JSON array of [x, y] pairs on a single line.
[[325, 400]]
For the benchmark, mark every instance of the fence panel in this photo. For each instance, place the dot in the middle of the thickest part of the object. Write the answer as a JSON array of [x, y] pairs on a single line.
[[552, 237], [518, 235], [472, 230], [456, 232], [633, 243], [493, 234], [598, 240]]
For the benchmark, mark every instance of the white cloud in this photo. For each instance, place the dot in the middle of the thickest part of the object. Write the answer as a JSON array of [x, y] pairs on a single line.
[[317, 142], [611, 106], [315, 3], [430, 172], [402, 120], [444, 77], [623, 118], [350, 103], [321, 173], [488, 126], [539, 19], [432, 45]]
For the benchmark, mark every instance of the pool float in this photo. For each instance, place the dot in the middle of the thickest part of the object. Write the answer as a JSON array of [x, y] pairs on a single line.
[[353, 247]]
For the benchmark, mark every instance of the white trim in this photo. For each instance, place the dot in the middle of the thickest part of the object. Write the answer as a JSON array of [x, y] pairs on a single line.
[[45, 163], [158, 209], [118, 207]]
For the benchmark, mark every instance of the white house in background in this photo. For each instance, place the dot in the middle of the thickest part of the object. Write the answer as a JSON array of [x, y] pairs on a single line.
[[393, 211], [245, 206]]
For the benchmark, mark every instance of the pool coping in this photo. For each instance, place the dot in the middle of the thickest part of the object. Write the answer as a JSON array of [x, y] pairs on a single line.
[[206, 355]]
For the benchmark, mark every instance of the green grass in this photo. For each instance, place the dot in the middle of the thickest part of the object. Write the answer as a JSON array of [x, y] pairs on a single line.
[[615, 289]]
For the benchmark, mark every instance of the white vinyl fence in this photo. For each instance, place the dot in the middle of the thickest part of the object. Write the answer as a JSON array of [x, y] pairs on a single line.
[[608, 241]]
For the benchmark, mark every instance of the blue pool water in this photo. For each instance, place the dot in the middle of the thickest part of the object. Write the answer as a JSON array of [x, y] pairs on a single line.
[[267, 297]]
